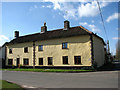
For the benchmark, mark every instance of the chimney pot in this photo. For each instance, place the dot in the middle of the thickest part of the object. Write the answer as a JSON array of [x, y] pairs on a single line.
[[16, 34], [44, 23], [44, 28]]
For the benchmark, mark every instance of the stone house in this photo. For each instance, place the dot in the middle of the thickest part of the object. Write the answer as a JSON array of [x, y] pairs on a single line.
[[66, 47]]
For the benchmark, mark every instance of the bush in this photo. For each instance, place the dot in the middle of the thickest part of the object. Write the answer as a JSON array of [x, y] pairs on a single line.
[[87, 68]]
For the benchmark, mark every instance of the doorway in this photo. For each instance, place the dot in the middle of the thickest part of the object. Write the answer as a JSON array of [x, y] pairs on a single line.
[[17, 62]]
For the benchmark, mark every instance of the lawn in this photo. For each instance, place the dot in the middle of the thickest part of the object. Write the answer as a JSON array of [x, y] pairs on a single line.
[[10, 86], [49, 70]]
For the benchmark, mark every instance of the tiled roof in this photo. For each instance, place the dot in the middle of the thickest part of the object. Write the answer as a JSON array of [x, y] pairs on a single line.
[[59, 33]]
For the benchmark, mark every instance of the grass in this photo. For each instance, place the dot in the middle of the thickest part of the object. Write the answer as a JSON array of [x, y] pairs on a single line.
[[10, 86], [49, 70]]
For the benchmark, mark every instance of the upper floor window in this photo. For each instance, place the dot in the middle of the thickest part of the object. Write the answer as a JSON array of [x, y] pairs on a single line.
[[26, 50], [77, 59], [65, 59], [64, 45], [40, 48], [10, 51]]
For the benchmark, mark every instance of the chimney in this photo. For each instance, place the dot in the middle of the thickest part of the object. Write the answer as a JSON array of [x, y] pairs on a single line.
[[66, 25], [44, 28], [16, 34]]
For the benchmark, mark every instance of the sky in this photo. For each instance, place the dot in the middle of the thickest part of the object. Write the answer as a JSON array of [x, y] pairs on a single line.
[[28, 17]]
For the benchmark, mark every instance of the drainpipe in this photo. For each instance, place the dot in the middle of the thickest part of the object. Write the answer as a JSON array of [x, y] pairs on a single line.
[[33, 54], [6, 56], [92, 51]]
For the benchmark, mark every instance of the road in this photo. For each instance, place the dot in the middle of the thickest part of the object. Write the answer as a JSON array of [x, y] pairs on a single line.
[[106, 79]]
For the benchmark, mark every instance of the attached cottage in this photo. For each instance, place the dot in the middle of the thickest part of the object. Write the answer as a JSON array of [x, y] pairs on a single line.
[[66, 47]]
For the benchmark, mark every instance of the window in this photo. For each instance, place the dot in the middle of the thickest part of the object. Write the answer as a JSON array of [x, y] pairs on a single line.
[[10, 61], [77, 59], [64, 45], [10, 51], [26, 50], [40, 48], [26, 61], [50, 60], [65, 59], [40, 61]]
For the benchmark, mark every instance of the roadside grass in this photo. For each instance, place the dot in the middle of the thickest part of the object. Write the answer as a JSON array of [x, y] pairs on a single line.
[[10, 86], [49, 70]]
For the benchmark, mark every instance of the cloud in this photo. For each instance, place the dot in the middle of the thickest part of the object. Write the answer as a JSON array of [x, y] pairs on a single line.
[[116, 38], [79, 0], [56, 5], [42, 6], [75, 10], [47, 6], [90, 9], [72, 9], [112, 17], [33, 7], [68, 9], [92, 27], [3, 39]]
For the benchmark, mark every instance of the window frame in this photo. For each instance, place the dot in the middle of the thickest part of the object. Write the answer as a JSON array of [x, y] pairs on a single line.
[[77, 63], [25, 49], [24, 61], [50, 58], [10, 51], [39, 48], [42, 61], [9, 63], [65, 45], [64, 58]]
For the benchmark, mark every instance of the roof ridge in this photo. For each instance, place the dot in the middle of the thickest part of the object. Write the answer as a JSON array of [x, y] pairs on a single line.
[[47, 31]]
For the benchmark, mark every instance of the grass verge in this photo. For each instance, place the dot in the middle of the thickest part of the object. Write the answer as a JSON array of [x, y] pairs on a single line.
[[10, 86], [49, 70]]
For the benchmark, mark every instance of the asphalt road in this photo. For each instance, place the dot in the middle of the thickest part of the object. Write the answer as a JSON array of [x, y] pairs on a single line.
[[108, 79]]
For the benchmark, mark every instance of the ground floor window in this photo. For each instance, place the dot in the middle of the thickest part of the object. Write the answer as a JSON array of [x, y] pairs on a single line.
[[65, 59], [40, 61], [25, 61], [10, 61], [77, 59], [50, 60]]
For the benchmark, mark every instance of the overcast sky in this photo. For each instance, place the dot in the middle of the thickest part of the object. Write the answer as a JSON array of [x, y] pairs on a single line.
[[28, 17]]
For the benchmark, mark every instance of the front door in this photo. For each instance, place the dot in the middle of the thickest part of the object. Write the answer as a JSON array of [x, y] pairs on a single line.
[[18, 62]]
